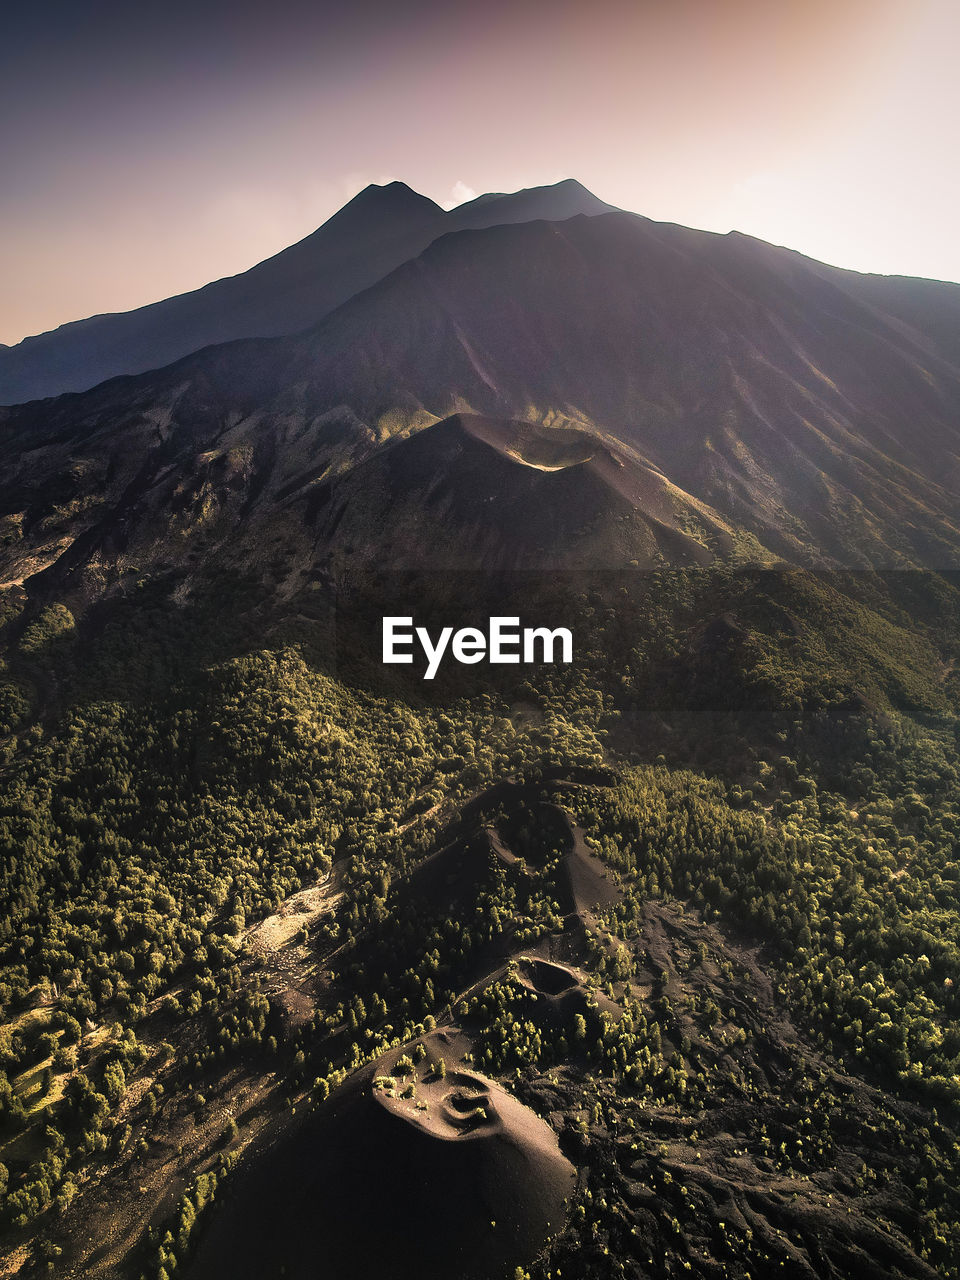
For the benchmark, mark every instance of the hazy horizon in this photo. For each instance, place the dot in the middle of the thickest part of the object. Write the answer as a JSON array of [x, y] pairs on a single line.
[[152, 152]]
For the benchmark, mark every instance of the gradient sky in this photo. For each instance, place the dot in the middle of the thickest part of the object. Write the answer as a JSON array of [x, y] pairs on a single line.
[[146, 148]]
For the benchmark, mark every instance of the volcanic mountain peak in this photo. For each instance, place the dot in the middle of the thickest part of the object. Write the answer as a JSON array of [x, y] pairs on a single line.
[[389, 200], [394, 191], [473, 492]]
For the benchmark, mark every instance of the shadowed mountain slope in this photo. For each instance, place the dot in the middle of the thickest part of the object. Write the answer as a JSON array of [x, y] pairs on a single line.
[[373, 234], [713, 385], [482, 494]]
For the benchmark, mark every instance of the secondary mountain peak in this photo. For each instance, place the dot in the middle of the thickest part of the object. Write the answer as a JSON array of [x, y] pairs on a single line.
[[553, 203]]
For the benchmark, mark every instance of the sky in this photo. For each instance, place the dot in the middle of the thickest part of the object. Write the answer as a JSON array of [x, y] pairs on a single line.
[[148, 148]]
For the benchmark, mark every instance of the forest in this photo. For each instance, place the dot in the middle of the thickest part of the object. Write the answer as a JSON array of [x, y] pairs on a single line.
[[764, 763]]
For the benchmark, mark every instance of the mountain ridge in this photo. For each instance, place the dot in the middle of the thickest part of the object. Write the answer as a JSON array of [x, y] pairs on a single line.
[[376, 231], [783, 409]]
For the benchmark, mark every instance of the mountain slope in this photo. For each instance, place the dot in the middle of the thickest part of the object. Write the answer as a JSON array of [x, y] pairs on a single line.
[[770, 398], [374, 233], [472, 493]]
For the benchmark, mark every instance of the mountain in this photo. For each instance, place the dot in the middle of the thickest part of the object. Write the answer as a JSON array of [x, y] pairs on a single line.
[[769, 404], [481, 494], [375, 232], [640, 962]]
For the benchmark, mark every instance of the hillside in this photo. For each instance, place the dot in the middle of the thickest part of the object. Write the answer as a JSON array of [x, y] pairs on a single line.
[[762, 396]]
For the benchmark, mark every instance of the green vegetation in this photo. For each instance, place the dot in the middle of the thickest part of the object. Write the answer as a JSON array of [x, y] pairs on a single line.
[[772, 759]]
